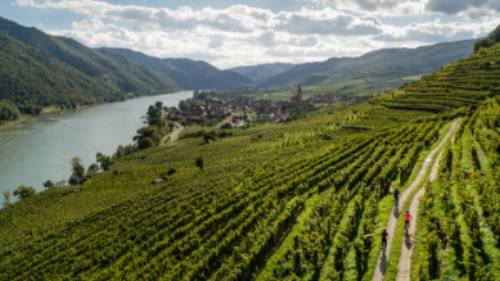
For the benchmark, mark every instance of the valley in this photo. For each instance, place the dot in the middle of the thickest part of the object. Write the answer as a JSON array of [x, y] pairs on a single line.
[[265, 172]]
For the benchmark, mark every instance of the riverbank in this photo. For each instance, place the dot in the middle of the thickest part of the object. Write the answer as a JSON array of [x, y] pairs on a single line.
[[53, 110], [35, 149], [10, 124]]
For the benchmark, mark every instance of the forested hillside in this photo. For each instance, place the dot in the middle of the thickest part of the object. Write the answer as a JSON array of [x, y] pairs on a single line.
[[261, 72], [303, 200], [39, 70], [187, 73], [377, 70]]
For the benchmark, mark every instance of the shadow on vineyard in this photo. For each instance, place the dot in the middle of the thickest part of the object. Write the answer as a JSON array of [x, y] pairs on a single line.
[[280, 201]]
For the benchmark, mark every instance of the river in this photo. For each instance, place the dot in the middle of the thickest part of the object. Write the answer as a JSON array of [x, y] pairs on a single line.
[[37, 149]]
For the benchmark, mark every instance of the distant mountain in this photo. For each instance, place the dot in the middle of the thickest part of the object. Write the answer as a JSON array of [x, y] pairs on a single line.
[[387, 64], [187, 73], [261, 72], [39, 70]]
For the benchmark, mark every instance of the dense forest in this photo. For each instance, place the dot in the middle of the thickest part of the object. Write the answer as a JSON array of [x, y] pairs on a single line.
[[300, 200]]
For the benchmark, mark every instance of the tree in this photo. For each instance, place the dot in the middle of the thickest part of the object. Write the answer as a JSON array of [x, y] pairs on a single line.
[[104, 161], [124, 150], [24, 191], [78, 172], [8, 111], [154, 116], [93, 169], [146, 137], [145, 143], [48, 184], [6, 198], [200, 163], [490, 40]]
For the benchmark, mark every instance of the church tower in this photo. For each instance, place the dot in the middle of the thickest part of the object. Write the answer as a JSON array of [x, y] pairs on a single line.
[[298, 97]]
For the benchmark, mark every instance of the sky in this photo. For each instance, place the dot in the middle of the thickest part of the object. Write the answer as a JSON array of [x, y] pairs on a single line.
[[230, 33]]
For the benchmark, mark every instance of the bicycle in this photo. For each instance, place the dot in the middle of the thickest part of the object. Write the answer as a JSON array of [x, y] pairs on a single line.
[[407, 228]]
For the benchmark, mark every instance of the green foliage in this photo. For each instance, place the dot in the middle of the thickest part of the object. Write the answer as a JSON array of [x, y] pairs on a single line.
[[490, 40], [8, 111], [48, 184], [460, 233], [154, 116], [78, 172], [187, 73], [104, 161], [24, 192], [93, 169], [147, 137], [375, 71], [274, 202], [38, 70], [460, 84]]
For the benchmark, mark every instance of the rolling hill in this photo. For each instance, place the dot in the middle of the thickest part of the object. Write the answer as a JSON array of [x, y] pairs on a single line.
[[40, 70], [303, 200], [187, 73], [383, 66], [261, 72]]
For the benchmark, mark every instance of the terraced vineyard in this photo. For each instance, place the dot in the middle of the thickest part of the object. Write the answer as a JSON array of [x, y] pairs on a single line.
[[462, 83], [305, 200], [459, 234]]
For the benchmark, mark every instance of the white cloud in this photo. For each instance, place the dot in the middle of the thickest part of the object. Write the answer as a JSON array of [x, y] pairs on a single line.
[[240, 34], [375, 7]]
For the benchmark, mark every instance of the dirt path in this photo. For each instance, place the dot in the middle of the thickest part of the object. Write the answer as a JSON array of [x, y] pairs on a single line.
[[174, 135], [226, 120], [404, 265], [393, 219]]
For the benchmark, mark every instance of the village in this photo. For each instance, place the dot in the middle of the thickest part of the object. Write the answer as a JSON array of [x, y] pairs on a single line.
[[230, 110]]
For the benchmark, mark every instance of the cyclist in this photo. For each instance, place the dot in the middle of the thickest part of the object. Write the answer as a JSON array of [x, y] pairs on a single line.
[[396, 197], [407, 219], [384, 239]]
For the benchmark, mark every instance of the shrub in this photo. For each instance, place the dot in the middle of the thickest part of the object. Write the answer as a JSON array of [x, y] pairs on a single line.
[[24, 191], [8, 111]]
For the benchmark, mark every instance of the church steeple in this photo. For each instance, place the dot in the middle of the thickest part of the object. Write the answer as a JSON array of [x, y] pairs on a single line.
[[298, 96]]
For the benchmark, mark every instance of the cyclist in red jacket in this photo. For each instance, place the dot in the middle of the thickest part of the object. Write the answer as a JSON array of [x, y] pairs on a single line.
[[407, 218]]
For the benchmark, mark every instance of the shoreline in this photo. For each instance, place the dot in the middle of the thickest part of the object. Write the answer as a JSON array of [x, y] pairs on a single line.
[[52, 110], [10, 124]]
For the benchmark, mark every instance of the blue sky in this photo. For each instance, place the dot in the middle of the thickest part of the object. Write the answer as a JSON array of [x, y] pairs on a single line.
[[235, 32]]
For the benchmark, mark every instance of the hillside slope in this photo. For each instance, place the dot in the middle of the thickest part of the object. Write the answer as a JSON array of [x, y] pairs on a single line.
[[388, 64], [303, 200], [84, 75], [187, 73], [490, 40], [261, 72], [461, 83]]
